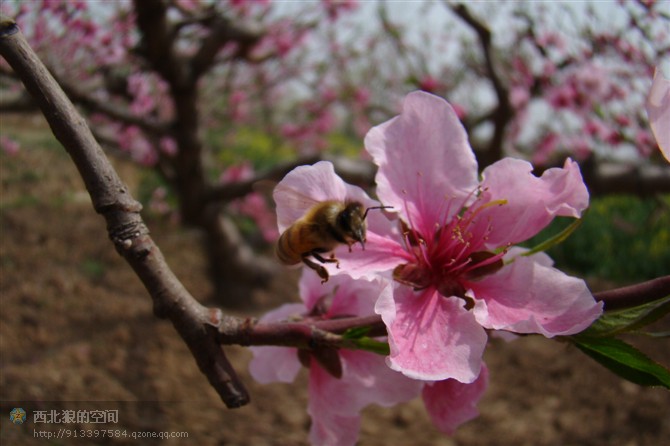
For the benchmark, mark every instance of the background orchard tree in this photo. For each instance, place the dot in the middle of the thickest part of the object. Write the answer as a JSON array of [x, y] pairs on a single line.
[[215, 96]]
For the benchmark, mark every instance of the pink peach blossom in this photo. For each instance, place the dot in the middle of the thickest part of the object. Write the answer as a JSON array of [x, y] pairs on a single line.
[[335, 403], [450, 255]]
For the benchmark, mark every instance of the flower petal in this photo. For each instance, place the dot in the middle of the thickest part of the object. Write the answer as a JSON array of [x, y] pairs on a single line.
[[381, 254], [658, 110], [424, 160], [330, 425], [276, 364], [344, 295], [529, 297], [451, 403], [530, 202], [375, 381], [431, 337], [334, 404]]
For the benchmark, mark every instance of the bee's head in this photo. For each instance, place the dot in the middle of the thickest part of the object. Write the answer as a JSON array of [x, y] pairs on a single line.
[[352, 221]]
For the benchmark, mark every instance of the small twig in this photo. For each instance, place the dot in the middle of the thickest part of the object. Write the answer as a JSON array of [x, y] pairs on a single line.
[[304, 334], [222, 31], [114, 111], [634, 295], [126, 229]]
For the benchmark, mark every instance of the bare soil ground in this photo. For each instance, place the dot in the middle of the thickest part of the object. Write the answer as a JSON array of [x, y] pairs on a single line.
[[77, 332]]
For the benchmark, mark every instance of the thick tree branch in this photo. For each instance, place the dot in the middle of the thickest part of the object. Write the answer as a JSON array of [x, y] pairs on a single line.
[[159, 51], [126, 229], [157, 41]]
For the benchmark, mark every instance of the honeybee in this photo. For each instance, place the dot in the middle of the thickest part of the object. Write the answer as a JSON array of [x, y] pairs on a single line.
[[323, 227]]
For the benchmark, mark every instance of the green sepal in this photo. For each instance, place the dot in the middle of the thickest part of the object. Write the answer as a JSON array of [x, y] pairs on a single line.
[[356, 338], [355, 333], [556, 239], [372, 345], [624, 360], [629, 319]]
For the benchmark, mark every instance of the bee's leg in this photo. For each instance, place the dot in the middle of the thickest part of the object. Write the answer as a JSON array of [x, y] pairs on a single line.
[[333, 259], [322, 259], [320, 270]]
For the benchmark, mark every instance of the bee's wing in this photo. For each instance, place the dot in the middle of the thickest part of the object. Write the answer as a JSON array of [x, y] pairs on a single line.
[[291, 205]]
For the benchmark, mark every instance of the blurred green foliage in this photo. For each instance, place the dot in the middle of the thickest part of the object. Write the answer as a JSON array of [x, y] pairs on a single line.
[[246, 145], [622, 238]]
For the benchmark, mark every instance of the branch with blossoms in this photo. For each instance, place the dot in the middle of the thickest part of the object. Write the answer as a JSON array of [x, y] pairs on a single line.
[[310, 331]]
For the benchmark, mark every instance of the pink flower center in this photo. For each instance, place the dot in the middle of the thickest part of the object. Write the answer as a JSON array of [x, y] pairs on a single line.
[[452, 255]]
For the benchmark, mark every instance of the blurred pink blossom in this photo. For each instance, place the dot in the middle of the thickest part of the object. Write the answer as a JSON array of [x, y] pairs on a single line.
[[139, 87], [335, 7], [239, 106], [252, 205], [9, 146], [519, 97], [429, 83], [168, 146]]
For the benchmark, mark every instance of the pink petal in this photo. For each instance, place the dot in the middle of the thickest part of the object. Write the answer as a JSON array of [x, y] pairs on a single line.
[[658, 110], [345, 296], [330, 426], [334, 404], [431, 337], [272, 364], [529, 297], [305, 186], [373, 382], [366, 379], [451, 403], [424, 160], [381, 254], [530, 203]]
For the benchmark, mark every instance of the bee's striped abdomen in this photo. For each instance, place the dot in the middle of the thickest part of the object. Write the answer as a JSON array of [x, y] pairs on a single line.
[[284, 249]]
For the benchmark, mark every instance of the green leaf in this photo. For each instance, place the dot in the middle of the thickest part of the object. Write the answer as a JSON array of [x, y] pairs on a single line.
[[556, 239], [624, 360], [630, 319]]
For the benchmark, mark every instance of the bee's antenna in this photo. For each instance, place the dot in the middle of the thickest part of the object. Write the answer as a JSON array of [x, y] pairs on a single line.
[[375, 207]]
